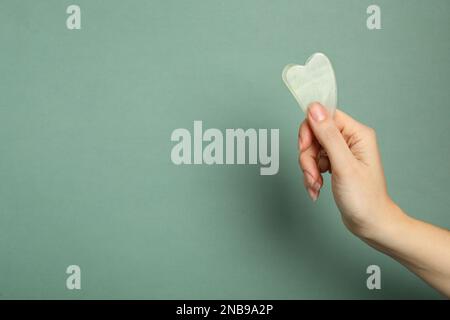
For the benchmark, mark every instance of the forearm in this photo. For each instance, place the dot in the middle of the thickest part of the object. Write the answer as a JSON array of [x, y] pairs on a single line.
[[421, 247]]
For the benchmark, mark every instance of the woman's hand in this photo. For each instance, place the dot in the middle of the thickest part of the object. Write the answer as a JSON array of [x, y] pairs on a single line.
[[349, 151]]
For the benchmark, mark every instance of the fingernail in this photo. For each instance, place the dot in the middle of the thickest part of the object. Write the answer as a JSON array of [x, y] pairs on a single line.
[[309, 179], [313, 194], [316, 187], [317, 112]]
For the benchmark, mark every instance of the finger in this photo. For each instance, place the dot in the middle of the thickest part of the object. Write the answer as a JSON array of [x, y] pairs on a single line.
[[356, 132], [346, 124], [308, 164], [305, 136], [324, 164], [313, 193], [329, 137]]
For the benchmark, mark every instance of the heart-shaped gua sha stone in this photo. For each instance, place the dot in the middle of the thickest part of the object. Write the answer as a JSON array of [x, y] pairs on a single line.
[[315, 81]]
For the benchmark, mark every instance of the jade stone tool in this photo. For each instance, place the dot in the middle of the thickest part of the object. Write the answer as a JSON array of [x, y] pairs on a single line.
[[314, 81]]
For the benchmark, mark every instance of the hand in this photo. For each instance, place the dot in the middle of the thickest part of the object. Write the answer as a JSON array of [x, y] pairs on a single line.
[[349, 151]]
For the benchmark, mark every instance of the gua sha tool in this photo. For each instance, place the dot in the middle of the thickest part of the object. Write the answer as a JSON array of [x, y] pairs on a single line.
[[315, 81]]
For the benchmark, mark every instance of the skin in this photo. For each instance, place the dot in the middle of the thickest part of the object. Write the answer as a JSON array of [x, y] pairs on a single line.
[[349, 151]]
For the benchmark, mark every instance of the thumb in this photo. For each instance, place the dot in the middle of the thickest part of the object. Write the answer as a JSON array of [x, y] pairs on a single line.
[[329, 136]]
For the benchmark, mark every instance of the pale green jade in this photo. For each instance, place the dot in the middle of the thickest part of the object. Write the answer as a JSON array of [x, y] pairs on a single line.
[[313, 82]]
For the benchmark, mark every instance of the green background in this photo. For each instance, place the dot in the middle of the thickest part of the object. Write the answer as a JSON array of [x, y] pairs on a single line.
[[85, 124]]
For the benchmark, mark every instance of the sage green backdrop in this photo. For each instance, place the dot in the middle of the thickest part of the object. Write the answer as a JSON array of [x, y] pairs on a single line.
[[85, 124]]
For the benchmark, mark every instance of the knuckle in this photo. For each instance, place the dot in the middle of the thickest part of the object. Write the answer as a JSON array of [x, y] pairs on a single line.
[[302, 159], [370, 132]]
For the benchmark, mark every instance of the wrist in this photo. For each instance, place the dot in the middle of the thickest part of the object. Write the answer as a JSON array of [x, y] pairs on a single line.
[[390, 223]]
